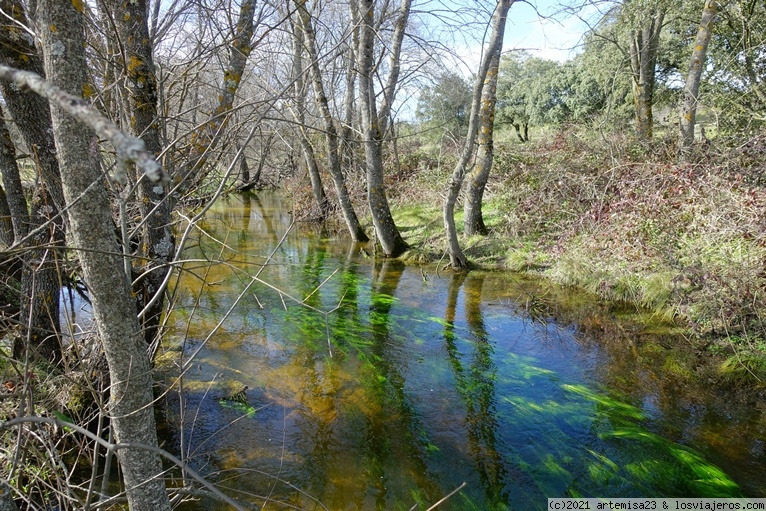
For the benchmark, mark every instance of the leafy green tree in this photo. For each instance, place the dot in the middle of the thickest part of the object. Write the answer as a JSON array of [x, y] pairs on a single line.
[[446, 105], [732, 86], [536, 91]]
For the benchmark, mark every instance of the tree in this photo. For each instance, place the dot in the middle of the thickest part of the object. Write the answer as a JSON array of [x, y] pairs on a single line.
[[40, 279], [375, 119], [92, 233], [457, 257], [477, 177], [17, 208], [332, 148], [446, 105], [733, 83], [193, 170], [692, 85], [532, 90], [157, 247], [629, 33], [299, 112], [644, 45]]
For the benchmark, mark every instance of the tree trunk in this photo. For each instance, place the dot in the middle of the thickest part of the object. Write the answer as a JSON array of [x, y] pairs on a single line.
[[644, 45], [157, 247], [29, 111], [478, 176], [6, 222], [457, 257], [40, 283], [692, 85], [374, 122], [192, 172], [346, 148], [92, 229], [309, 156], [330, 133], [9, 171]]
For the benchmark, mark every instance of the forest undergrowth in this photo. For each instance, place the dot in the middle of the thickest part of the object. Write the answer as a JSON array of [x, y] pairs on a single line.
[[625, 221]]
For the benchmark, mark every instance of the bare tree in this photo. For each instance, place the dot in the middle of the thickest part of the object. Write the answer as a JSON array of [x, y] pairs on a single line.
[[40, 280], [158, 245], [299, 112], [457, 257], [92, 233], [203, 140], [375, 119], [330, 132]]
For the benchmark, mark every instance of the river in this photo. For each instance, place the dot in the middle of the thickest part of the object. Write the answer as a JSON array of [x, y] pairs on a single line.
[[376, 385]]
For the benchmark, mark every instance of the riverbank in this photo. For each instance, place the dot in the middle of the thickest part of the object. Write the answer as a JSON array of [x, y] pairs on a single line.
[[686, 242]]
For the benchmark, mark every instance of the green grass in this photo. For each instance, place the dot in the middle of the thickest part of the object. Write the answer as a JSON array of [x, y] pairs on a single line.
[[683, 242]]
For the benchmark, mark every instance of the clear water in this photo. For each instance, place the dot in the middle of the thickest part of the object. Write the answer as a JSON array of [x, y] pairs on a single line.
[[374, 385]]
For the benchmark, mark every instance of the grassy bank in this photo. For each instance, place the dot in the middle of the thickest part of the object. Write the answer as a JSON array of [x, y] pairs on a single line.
[[624, 221]]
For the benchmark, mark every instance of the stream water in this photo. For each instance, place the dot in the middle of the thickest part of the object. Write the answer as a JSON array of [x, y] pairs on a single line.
[[375, 385]]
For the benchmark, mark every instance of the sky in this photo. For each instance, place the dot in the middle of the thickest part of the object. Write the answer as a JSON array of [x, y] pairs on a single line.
[[547, 35], [539, 27]]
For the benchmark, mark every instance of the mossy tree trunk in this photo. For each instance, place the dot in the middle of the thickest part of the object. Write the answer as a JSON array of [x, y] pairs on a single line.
[[92, 233], [478, 176], [457, 257], [644, 45], [694, 77], [157, 247], [375, 120]]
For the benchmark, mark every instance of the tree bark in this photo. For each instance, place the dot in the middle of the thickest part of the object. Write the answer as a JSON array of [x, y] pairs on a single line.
[[92, 232], [9, 170], [374, 122], [157, 247], [29, 111], [330, 133], [309, 156], [478, 176], [6, 222], [40, 282], [457, 257], [693, 78], [644, 45]]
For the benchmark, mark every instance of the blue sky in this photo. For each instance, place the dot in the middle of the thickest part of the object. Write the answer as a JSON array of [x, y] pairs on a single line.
[[552, 38], [537, 26]]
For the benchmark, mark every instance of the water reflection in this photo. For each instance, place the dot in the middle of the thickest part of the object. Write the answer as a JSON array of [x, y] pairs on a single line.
[[385, 387]]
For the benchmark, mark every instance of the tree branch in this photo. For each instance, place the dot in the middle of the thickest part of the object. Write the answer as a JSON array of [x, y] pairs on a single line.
[[129, 148]]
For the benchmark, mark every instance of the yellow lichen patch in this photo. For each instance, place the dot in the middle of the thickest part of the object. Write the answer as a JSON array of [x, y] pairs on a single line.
[[133, 63], [88, 90], [79, 5], [53, 28]]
